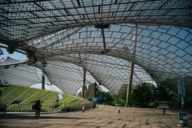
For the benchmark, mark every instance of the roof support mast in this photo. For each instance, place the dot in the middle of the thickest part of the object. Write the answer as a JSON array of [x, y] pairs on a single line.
[[43, 64], [102, 27], [103, 35], [83, 83], [43, 79], [131, 67]]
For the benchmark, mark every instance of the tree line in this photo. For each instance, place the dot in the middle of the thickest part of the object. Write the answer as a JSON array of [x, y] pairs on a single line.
[[142, 95]]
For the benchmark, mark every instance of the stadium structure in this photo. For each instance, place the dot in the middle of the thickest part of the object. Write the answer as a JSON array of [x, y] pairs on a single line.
[[110, 42]]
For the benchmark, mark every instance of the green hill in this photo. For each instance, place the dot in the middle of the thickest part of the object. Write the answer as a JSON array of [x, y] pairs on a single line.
[[19, 98]]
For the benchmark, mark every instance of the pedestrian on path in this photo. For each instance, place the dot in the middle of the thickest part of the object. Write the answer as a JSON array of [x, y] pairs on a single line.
[[83, 108], [118, 110], [37, 108]]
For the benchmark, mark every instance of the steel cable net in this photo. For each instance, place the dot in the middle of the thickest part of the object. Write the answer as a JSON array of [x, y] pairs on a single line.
[[155, 35], [109, 71], [19, 74]]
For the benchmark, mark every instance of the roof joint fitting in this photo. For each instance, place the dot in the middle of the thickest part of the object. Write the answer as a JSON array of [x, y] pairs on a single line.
[[100, 26]]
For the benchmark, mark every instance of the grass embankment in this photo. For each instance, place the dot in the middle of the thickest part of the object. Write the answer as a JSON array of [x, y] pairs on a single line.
[[28, 96]]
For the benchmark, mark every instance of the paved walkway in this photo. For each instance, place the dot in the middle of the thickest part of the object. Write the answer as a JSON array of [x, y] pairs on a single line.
[[101, 117]]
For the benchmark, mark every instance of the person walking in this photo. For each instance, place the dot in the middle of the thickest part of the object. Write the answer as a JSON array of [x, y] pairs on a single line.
[[37, 108], [118, 110], [83, 108]]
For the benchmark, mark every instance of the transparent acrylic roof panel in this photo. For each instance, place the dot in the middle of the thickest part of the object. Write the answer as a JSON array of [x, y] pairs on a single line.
[[21, 75], [155, 45], [18, 73], [109, 71], [159, 52], [35, 18]]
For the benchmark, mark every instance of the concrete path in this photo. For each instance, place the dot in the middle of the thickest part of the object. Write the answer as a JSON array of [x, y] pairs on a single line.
[[101, 117]]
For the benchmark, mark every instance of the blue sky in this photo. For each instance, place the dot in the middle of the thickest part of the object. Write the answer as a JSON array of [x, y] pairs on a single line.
[[15, 55]]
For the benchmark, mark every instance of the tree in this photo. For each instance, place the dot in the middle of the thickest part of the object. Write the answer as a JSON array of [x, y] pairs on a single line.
[[142, 95], [122, 92], [118, 101], [172, 83], [162, 93], [103, 97]]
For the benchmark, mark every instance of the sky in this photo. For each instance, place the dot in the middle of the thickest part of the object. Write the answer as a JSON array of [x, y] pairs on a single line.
[[15, 55]]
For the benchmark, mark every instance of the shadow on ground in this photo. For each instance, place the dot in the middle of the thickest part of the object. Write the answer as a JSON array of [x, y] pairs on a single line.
[[24, 116]]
